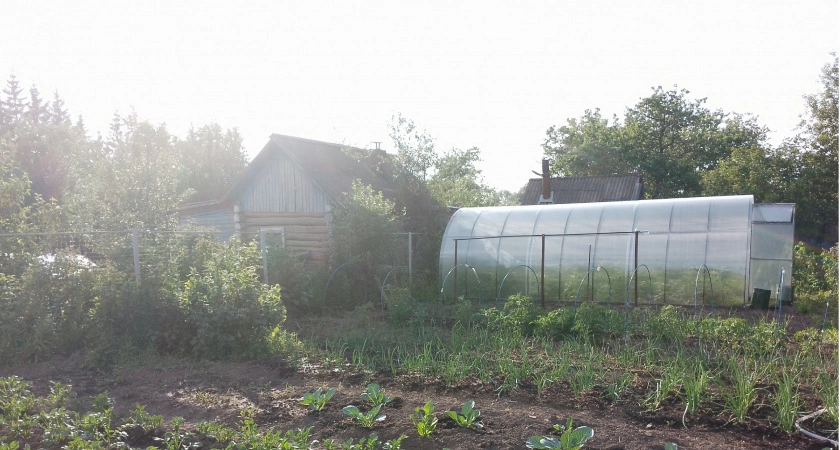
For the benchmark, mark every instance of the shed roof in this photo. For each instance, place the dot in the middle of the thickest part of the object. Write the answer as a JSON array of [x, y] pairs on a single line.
[[331, 166], [608, 188]]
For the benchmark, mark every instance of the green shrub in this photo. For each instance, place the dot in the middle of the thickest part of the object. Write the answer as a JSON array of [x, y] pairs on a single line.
[[225, 310], [520, 313], [815, 281], [597, 321], [556, 324]]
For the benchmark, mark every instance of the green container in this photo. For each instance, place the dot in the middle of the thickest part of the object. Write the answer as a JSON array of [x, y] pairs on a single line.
[[760, 299]]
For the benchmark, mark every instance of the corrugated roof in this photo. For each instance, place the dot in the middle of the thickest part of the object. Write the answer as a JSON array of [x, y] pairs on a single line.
[[609, 188], [329, 165]]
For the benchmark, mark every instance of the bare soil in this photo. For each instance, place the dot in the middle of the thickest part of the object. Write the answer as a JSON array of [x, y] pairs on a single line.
[[217, 391]]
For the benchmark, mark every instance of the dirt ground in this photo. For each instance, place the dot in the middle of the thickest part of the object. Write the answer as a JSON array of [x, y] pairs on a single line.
[[214, 391], [219, 391]]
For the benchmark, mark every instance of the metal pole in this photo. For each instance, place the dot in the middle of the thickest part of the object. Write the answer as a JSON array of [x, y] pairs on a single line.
[[455, 285], [636, 269], [542, 274], [135, 243]]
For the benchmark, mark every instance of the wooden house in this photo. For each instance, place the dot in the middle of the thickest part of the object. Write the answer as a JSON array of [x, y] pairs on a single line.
[[290, 189]]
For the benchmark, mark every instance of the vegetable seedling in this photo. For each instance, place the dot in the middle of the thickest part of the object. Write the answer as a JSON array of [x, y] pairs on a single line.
[[316, 401], [424, 419], [375, 396], [569, 440], [366, 419], [468, 416]]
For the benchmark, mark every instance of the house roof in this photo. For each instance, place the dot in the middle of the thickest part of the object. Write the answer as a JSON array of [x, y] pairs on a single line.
[[608, 188], [330, 166]]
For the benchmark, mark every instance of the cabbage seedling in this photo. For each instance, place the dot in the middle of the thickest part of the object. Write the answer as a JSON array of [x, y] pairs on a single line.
[[317, 400], [569, 440], [468, 416], [375, 396], [367, 419]]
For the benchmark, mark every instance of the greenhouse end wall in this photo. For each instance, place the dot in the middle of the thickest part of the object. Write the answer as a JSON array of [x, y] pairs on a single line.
[[510, 248]]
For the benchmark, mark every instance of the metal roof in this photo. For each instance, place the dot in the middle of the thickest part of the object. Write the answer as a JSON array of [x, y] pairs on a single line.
[[586, 189]]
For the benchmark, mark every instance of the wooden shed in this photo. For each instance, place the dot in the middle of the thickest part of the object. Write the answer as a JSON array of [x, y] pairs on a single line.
[[291, 189]]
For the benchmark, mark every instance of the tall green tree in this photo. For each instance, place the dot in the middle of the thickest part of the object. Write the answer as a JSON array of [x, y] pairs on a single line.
[[211, 159], [815, 148], [458, 181], [589, 146], [416, 155], [668, 138], [134, 184], [12, 108]]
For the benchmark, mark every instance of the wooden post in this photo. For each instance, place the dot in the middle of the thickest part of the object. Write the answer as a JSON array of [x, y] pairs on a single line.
[[264, 252]]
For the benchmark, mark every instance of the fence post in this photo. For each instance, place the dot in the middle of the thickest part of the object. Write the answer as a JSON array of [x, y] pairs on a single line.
[[410, 257], [264, 252], [135, 243]]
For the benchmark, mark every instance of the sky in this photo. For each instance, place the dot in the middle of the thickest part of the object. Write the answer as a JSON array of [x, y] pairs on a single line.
[[488, 74]]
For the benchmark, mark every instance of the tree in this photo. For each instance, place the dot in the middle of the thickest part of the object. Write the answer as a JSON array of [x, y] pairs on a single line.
[[750, 171], [815, 148], [211, 160], [589, 146], [458, 182], [364, 233], [36, 112], [669, 139], [416, 154], [12, 108], [134, 184], [57, 114]]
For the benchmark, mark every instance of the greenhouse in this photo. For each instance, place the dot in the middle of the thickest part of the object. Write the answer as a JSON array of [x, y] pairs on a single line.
[[647, 251]]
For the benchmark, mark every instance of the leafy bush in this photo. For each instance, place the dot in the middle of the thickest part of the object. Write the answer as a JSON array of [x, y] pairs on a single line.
[[556, 324], [815, 281], [668, 325], [597, 321], [225, 310]]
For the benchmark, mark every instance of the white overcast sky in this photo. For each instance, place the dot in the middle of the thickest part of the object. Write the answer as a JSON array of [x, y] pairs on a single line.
[[484, 73]]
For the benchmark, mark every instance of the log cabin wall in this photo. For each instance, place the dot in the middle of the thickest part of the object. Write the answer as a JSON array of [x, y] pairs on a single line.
[[283, 196]]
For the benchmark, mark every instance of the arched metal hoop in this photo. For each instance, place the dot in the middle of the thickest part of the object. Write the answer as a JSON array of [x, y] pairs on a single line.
[[703, 270], [627, 295], [499, 292], [332, 275], [443, 284], [585, 277]]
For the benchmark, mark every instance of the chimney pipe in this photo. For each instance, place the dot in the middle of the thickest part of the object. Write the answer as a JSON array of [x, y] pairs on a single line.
[[546, 180]]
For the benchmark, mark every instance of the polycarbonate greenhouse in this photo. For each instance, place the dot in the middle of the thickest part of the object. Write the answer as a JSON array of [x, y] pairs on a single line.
[[648, 251]]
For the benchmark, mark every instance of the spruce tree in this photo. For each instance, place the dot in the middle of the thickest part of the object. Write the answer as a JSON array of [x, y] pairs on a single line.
[[58, 115]]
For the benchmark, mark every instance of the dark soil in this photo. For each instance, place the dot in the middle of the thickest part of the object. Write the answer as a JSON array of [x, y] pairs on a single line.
[[220, 391]]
